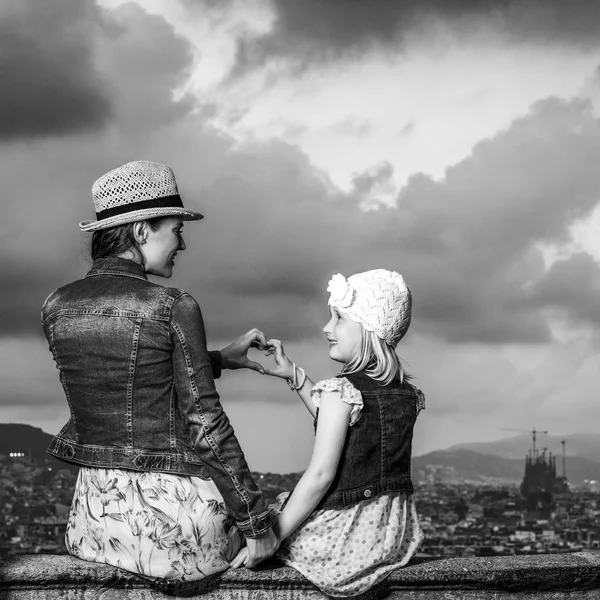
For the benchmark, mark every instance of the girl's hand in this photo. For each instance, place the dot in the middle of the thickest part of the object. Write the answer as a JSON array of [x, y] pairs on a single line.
[[283, 366]]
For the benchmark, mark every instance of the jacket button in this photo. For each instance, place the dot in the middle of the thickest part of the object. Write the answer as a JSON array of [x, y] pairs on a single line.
[[368, 493]]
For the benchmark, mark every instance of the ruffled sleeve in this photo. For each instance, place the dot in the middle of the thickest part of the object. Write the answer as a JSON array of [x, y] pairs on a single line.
[[420, 398], [348, 393]]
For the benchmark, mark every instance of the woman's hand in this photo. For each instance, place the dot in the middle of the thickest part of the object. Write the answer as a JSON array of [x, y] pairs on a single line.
[[283, 368], [256, 550], [235, 356]]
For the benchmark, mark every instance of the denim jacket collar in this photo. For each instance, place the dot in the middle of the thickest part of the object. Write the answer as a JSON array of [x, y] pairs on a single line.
[[113, 265]]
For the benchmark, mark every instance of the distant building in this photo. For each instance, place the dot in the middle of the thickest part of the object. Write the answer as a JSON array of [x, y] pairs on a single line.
[[541, 484]]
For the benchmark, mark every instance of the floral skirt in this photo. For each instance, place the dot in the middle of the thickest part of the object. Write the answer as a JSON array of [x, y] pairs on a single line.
[[345, 552], [154, 524]]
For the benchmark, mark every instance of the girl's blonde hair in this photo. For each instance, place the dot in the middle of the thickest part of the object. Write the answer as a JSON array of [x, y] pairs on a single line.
[[377, 359]]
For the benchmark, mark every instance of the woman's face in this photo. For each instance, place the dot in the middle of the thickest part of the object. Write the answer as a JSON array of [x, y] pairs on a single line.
[[343, 334], [161, 247]]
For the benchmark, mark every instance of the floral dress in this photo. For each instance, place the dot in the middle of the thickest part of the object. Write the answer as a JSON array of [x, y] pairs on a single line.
[[157, 525], [345, 552]]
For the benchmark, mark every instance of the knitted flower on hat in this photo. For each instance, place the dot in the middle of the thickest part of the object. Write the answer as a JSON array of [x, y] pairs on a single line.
[[380, 300], [342, 293]]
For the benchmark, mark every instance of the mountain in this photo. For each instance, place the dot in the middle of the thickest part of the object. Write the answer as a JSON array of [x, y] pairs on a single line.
[[32, 441], [584, 445], [459, 464]]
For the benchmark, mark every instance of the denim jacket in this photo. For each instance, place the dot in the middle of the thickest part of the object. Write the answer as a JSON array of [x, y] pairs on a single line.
[[139, 382], [376, 456]]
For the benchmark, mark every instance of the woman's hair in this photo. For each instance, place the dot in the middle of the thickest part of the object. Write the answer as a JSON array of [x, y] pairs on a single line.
[[377, 359], [119, 239]]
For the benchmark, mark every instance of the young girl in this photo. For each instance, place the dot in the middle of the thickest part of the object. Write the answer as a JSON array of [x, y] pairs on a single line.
[[351, 519]]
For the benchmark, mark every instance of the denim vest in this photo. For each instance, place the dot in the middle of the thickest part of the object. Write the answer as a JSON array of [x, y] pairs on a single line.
[[139, 382], [376, 456]]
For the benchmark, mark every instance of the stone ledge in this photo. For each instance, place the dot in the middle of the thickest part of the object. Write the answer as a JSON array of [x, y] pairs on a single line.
[[577, 575]]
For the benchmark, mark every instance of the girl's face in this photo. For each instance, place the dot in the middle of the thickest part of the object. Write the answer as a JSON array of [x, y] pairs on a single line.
[[343, 334], [161, 247]]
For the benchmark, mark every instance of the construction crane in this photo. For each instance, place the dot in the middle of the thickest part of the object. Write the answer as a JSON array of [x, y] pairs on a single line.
[[533, 431]]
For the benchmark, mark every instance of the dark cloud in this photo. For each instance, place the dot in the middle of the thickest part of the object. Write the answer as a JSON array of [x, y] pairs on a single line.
[[325, 29], [144, 62], [476, 231], [50, 83], [69, 67], [573, 287], [364, 183]]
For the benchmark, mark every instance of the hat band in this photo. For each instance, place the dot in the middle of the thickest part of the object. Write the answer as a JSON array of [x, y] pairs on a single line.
[[173, 201]]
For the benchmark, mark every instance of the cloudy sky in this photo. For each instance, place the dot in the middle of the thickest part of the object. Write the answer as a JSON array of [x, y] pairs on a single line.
[[455, 141]]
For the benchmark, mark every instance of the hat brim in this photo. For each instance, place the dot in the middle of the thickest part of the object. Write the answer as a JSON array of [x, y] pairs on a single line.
[[140, 215]]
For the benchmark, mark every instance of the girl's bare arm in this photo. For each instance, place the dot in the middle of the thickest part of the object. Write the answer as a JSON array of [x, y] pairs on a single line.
[[304, 393], [334, 416]]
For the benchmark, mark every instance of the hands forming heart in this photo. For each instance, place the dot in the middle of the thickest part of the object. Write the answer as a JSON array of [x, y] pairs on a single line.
[[235, 355]]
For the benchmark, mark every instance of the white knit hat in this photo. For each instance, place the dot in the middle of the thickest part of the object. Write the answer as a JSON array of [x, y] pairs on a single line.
[[380, 300], [136, 191]]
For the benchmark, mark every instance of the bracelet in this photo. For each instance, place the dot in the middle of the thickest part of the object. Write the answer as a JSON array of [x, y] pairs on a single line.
[[294, 384], [303, 380], [290, 383]]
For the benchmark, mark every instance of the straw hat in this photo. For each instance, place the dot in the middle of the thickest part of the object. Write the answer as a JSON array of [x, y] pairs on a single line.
[[379, 299], [136, 191]]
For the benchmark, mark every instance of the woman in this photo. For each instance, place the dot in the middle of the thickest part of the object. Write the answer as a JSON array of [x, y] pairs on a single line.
[[162, 478]]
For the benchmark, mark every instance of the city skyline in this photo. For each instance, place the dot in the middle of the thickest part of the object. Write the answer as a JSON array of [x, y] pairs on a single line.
[[456, 145], [482, 514]]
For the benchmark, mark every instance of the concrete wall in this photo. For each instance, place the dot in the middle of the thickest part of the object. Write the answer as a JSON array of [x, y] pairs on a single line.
[[552, 576]]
